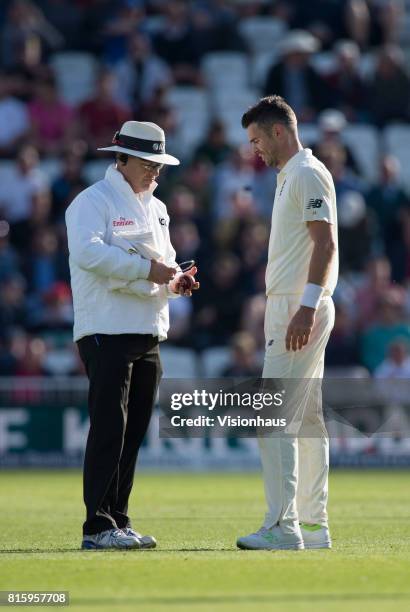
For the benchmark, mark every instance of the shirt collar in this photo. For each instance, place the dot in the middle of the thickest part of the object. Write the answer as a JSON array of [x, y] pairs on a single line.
[[295, 160], [118, 181]]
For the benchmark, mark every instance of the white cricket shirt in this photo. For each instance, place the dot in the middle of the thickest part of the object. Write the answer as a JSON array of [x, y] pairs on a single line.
[[111, 206], [305, 192]]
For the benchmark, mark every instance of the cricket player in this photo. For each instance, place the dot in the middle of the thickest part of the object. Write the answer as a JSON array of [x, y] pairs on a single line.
[[300, 278]]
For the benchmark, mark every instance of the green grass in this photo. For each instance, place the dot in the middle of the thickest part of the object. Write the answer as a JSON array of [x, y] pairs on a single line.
[[196, 567]]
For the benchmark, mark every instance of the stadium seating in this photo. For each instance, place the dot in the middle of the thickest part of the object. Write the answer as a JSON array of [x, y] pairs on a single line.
[[229, 106], [262, 33], [396, 140], [364, 142], [178, 362], [191, 106], [76, 75], [214, 360], [227, 70]]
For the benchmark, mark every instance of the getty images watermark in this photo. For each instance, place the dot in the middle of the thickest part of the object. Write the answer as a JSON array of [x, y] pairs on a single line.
[[210, 401]]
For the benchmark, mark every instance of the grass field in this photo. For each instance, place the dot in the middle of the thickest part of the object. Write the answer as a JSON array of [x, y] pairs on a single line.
[[196, 519]]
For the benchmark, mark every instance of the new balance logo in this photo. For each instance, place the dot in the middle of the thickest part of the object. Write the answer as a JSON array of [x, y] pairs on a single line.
[[314, 203]]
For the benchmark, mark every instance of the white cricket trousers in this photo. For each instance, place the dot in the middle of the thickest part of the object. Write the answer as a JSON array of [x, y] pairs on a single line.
[[295, 467]]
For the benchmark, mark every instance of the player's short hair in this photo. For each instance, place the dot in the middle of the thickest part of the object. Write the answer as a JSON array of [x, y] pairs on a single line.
[[270, 110]]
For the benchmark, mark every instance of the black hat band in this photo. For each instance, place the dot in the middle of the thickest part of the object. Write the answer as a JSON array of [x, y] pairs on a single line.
[[139, 144]]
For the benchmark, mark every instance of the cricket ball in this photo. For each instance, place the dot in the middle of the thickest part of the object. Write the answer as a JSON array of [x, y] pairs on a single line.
[[186, 282]]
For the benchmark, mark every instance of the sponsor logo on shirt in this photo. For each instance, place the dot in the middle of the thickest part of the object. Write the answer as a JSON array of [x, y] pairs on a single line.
[[122, 222], [314, 203], [162, 221]]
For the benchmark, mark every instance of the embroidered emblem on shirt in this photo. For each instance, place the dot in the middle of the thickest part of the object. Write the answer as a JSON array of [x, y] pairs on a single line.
[[162, 221]]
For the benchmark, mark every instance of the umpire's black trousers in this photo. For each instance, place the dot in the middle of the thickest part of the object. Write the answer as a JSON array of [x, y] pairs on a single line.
[[124, 372]]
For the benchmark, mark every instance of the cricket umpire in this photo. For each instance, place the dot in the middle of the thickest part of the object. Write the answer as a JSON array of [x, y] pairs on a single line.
[[123, 272], [301, 276]]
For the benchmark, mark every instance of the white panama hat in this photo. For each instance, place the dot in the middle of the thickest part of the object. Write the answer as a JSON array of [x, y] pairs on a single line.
[[142, 139], [332, 120], [298, 41]]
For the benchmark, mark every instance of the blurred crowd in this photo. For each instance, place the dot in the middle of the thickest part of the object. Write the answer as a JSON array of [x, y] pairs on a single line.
[[220, 198]]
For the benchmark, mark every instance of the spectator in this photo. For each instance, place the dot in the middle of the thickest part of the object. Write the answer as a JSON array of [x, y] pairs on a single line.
[[53, 121], [348, 89], [402, 255], [397, 362], [100, 116], [66, 17], [388, 19], [252, 317], [234, 175], [388, 199], [377, 283], [175, 43], [217, 311], [53, 310], [32, 361], [180, 313], [321, 17], [185, 239], [251, 245], [9, 259], [17, 194], [126, 18], [184, 206], [389, 89], [7, 360], [357, 230], [140, 74], [294, 79], [215, 148], [244, 357], [25, 25], [13, 307], [46, 263], [214, 30], [67, 185], [331, 123], [198, 177], [390, 324], [357, 20], [342, 349], [14, 120]]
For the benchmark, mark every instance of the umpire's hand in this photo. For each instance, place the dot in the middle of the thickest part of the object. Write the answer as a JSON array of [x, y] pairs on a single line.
[[160, 273], [300, 328]]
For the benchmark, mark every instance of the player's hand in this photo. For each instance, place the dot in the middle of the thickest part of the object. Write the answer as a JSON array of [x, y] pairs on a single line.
[[160, 273], [300, 328], [185, 284]]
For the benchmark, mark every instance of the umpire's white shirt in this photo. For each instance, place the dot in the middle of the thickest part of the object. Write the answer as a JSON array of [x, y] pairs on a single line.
[[304, 192], [110, 206]]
